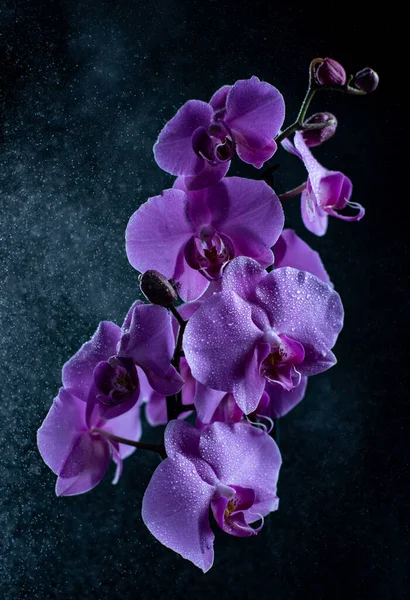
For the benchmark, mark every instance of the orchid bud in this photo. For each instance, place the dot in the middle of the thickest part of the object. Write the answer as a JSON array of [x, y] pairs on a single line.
[[315, 137], [330, 72], [157, 289], [366, 80]]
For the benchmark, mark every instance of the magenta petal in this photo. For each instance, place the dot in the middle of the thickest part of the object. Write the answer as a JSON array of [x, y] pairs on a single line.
[[208, 175], [218, 100], [64, 422], [167, 382], [281, 401], [157, 232], [156, 410], [85, 466], [314, 218], [245, 456], [316, 317], [78, 371], [255, 110], [248, 389], [207, 401], [173, 150], [181, 438], [175, 508], [218, 340], [242, 276], [291, 251], [127, 425], [149, 340], [191, 284], [250, 213], [254, 156]]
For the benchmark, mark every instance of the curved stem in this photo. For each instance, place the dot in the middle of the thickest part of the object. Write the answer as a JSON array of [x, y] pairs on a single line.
[[141, 445], [174, 402], [312, 88], [295, 192]]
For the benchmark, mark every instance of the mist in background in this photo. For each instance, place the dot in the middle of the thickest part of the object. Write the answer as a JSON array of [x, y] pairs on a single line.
[[85, 89]]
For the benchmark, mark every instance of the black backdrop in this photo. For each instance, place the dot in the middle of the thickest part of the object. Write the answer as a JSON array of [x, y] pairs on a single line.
[[85, 87]]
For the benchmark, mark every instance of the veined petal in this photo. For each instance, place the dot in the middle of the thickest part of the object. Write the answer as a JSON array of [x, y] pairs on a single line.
[[314, 218], [281, 401], [78, 371], [149, 340], [175, 508], [208, 175], [85, 466], [256, 111], [173, 150], [249, 212], [64, 422], [157, 232], [219, 340], [218, 100], [305, 309], [245, 456], [291, 251], [248, 389]]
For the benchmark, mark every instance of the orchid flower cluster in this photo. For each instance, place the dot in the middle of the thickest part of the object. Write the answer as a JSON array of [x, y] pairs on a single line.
[[220, 368]]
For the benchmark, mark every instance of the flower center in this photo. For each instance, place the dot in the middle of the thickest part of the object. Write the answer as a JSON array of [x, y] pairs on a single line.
[[116, 379], [233, 514], [214, 144], [209, 252], [279, 366]]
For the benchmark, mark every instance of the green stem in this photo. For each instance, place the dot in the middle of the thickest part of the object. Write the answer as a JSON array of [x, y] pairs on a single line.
[[312, 88]]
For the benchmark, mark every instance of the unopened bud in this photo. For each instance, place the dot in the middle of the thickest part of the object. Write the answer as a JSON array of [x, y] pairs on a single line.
[[315, 137], [366, 80], [157, 289], [330, 72]]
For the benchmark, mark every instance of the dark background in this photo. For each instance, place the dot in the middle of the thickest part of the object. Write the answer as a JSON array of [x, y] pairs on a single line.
[[85, 88]]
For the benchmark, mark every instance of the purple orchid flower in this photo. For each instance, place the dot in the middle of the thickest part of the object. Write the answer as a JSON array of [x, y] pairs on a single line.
[[104, 371], [75, 448], [327, 192], [232, 469], [199, 142], [191, 236], [215, 405], [274, 327]]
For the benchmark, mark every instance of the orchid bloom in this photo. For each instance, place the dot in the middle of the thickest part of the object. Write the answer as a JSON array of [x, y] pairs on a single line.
[[191, 236], [104, 371], [261, 327], [199, 142], [327, 192], [75, 448], [230, 469]]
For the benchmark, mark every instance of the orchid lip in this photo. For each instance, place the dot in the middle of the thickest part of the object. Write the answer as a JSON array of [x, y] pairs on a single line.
[[208, 252], [116, 379]]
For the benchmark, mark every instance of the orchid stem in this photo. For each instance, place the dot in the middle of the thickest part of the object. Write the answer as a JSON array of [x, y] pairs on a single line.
[[141, 445], [174, 402], [295, 192], [178, 317], [312, 88]]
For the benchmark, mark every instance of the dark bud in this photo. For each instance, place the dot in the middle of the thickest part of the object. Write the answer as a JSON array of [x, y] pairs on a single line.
[[315, 137], [330, 72], [157, 289], [366, 80]]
